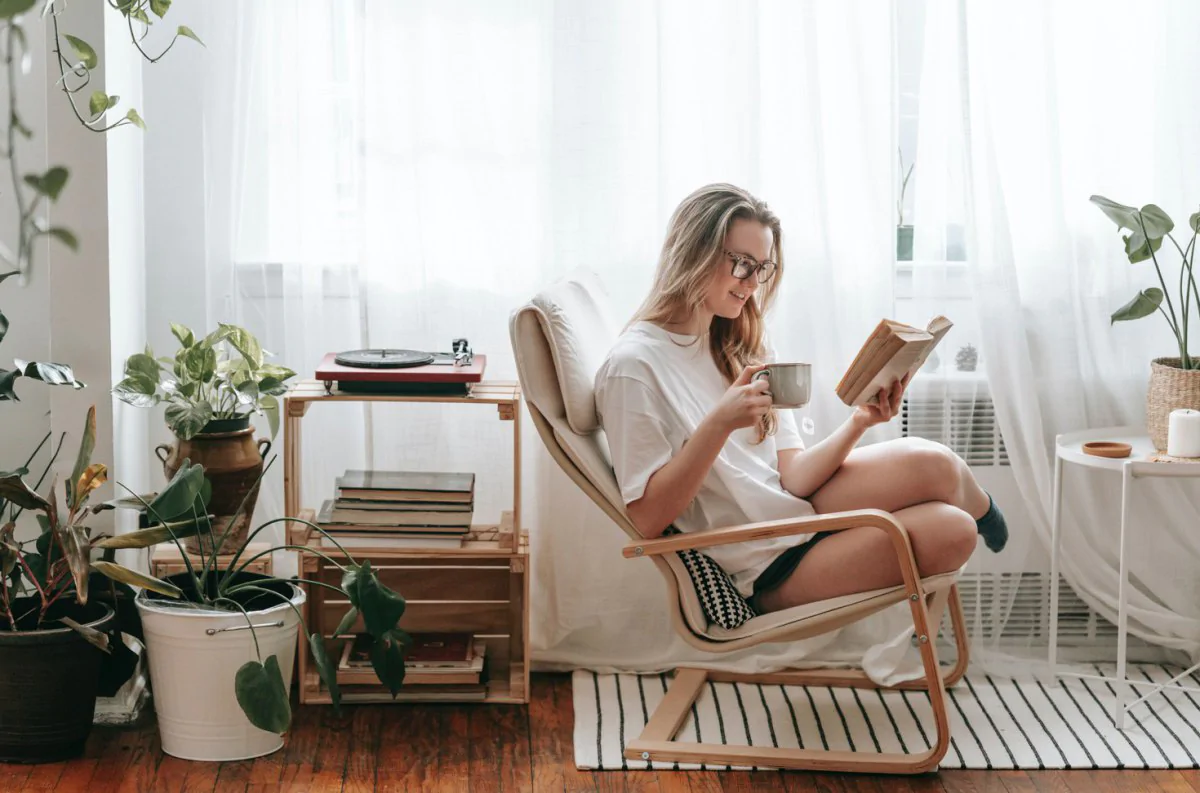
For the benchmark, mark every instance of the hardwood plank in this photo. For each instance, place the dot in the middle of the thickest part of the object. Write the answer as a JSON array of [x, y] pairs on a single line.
[[1051, 781], [128, 747], [808, 782], [42, 777], [235, 776], [364, 744], [143, 764], [453, 748], [297, 755], [551, 742], [1016, 781], [1191, 776], [333, 749], [926, 783], [201, 777], [1172, 781], [971, 782], [171, 774], [78, 774], [702, 781], [750, 781], [408, 759], [498, 738]]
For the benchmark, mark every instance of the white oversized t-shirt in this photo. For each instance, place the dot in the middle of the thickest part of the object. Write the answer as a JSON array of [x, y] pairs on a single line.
[[652, 392]]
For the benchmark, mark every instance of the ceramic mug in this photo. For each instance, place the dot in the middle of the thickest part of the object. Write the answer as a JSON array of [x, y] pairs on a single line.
[[790, 383]]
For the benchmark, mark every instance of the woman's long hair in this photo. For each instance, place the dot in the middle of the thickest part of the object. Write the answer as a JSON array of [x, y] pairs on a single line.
[[691, 254]]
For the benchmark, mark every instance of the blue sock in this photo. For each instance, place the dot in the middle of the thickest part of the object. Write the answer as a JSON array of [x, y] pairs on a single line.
[[993, 528]]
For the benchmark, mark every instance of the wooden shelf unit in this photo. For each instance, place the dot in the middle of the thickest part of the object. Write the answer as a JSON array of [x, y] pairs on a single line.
[[481, 588]]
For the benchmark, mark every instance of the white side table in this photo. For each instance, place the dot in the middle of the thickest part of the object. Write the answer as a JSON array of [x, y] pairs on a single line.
[[1068, 449]]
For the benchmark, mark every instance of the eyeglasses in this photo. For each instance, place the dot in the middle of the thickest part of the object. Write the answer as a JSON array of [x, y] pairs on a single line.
[[745, 266]]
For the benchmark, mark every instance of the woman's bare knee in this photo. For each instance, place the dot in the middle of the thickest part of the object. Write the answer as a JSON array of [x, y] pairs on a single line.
[[943, 540], [941, 470]]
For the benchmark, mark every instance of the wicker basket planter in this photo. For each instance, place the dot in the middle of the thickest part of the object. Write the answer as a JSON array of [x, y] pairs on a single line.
[[1171, 388]]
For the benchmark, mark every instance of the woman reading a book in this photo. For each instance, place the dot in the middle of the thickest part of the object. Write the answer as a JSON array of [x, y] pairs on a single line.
[[696, 444]]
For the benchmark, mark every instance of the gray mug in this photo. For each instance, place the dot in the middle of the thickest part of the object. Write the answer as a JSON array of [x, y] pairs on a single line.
[[790, 383]]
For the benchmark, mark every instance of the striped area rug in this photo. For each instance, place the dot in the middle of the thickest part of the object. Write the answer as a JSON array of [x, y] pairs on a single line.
[[995, 723]]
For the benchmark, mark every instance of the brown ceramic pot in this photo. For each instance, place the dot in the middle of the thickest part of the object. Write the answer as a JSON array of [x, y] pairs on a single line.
[[233, 462]]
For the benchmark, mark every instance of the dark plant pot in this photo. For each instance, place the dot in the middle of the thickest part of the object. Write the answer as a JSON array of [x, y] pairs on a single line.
[[48, 681], [904, 243], [233, 462], [226, 425]]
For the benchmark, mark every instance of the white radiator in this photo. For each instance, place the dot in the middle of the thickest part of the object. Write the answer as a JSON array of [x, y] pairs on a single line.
[[996, 590]]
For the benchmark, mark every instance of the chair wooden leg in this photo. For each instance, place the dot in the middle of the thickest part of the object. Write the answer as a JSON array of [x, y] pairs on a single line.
[[657, 739]]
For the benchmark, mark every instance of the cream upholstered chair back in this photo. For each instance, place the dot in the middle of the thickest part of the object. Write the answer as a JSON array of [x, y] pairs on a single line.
[[560, 338]]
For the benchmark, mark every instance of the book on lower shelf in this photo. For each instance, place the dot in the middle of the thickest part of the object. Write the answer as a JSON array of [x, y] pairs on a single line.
[[407, 486], [892, 351], [376, 539], [330, 516], [437, 662]]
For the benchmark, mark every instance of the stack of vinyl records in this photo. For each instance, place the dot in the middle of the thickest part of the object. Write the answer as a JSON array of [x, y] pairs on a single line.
[[438, 666], [398, 509]]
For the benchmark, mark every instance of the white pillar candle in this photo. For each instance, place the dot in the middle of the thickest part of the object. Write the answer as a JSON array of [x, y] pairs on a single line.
[[1183, 433]]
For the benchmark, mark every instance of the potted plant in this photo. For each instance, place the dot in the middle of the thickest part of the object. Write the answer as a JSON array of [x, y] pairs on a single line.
[[221, 640], [904, 232], [1174, 381], [60, 621], [211, 387]]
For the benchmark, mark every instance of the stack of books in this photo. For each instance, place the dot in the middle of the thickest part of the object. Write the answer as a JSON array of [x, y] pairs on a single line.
[[445, 666], [390, 509]]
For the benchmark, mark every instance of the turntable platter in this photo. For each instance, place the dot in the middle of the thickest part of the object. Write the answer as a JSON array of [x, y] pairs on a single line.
[[383, 358]]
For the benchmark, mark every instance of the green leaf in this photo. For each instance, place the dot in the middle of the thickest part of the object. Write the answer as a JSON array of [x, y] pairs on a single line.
[[128, 502], [87, 444], [11, 8], [184, 30], [387, 658], [1125, 217], [180, 494], [7, 378], [200, 362], [347, 622], [14, 489], [49, 373], [245, 343], [93, 636], [98, 103], [187, 419], [3, 326], [270, 406], [263, 696], [160, 7], [136, 390], [1157, 222], [140, 15], [183, 334], [49, 184], [159, 533], [78, 550], [11, 273], [381, 608], [1138, 249], [65, 236], [133, 117], [141, 364], [1194, 222], [84, 50], [1145, 304], [126, 576], [9, 554], [316, 643]]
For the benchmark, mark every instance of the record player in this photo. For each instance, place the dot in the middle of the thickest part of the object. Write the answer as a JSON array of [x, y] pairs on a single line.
[[400, 371]]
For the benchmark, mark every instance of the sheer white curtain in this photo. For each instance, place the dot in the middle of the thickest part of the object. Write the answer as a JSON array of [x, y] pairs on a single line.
[[1027, 109]]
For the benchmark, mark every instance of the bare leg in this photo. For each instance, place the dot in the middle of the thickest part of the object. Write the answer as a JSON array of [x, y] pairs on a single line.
[[861, 559], [896, 474]]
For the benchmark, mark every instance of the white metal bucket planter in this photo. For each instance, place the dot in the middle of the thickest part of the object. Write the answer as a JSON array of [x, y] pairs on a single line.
[[194, 657]]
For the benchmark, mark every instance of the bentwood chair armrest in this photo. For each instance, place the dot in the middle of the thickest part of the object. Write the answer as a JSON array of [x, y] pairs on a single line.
[[831, 521]]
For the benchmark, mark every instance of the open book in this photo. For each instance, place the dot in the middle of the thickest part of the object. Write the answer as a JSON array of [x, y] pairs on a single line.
[[892, 351]]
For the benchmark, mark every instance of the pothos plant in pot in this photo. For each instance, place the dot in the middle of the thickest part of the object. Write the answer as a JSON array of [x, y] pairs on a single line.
[[1174, 380], [211, 387], [221, 640]]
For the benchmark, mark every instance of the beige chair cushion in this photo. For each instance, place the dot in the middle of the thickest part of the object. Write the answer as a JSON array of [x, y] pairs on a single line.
[[581, 331]]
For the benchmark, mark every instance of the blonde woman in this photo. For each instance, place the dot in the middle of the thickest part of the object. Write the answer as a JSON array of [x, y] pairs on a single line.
[[696, 444]]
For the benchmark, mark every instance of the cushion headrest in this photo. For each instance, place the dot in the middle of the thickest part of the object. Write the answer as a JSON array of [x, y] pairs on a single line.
[[580, 330]]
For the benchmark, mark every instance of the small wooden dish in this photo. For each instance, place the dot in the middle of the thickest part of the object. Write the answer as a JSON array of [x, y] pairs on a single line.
[[1107, 449]]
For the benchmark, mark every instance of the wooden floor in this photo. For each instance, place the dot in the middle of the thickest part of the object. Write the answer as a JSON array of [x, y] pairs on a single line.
[[483, 748]]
